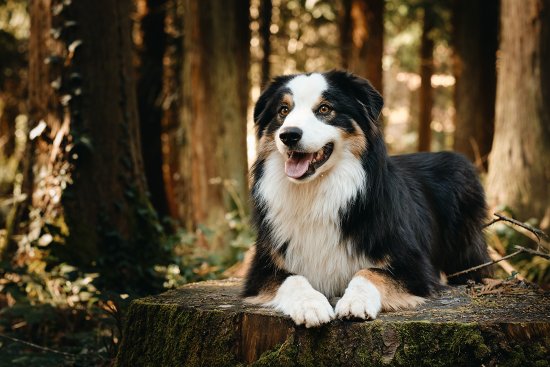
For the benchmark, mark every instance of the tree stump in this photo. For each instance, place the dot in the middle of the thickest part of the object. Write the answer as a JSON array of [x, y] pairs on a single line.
[[207, 324]]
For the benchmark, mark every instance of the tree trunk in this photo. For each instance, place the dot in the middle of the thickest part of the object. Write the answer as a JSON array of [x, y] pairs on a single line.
[[215, 99], [519, 165], [207, 324], [266, 8], [362, 39], [45, 110], [93, 144], [475, 46], [426, 72], [149, 93], [171, 105]]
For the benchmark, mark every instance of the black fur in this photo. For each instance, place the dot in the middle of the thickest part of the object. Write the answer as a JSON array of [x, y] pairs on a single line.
[[422, 213]]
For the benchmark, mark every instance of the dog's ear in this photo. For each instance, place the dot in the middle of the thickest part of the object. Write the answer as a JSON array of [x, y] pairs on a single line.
[[263, 110], [363, 91], [369, 97]]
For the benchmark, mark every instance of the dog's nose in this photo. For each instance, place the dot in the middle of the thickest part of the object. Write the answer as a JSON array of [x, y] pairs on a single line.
[[291, 135]]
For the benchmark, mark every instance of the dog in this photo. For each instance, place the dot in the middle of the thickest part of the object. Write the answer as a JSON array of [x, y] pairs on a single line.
[[337, 217]]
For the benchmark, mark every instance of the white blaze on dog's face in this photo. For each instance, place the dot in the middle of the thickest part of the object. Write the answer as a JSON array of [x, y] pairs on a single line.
[[309, 144]]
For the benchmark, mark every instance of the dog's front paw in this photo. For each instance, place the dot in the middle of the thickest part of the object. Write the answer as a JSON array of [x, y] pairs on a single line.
[[305, 305], [312, 311], [361, 300]]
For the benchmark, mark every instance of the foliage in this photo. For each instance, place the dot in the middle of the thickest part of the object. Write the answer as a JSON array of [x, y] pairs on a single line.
[[57, 309], [49, 302], [194, 255], [304, 35]]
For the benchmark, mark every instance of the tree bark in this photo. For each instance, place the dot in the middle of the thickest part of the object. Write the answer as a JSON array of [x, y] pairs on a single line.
[[86, 95], [149, 93], [475, 46], [171, 105], [207, 324], [215, 99], [519, 168], [426, 72], [266, 8], [45, 68], [362, 38]]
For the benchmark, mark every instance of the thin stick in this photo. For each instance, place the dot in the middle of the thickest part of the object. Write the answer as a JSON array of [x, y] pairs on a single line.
[[537, 232], [46, 349], [540, 243], [484, 264], [504, 264], [533, 252], [520, 250]]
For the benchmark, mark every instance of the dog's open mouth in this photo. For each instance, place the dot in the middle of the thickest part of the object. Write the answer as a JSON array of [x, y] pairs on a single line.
[[300, 165]]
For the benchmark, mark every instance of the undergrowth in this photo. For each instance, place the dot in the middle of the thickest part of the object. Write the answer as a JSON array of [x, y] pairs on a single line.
[[56, 313], [68, 319]]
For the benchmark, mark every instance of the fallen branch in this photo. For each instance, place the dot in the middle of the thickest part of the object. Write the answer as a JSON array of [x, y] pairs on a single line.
[[533, 252], [489, 263], [539, 234], [36, 346], [50, 350]]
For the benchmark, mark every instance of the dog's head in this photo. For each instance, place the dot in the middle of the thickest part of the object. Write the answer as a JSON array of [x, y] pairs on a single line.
[[315, 120]]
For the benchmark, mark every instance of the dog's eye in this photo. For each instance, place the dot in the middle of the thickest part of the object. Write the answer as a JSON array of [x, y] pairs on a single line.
[[324, 109], [283, 111]]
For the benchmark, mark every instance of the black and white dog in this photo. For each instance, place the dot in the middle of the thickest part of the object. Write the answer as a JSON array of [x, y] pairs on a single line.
[[337, 217]]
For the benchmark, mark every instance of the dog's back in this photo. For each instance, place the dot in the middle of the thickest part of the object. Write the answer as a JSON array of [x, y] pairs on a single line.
[[457, 203]]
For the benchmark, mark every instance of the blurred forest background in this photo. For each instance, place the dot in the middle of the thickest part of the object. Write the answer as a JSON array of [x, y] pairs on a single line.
[[126, 136]]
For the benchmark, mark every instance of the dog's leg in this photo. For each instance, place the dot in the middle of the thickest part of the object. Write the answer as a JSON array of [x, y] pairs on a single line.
[[296, 298], [373, 290]]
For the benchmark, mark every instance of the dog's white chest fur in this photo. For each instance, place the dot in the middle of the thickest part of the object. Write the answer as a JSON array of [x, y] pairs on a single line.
[[307, 216]]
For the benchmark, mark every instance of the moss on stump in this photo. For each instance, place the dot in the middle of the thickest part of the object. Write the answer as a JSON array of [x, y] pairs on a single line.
[[207, 324]]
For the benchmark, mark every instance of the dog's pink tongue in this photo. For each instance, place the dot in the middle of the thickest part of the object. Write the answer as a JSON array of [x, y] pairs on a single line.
[[297, 165]]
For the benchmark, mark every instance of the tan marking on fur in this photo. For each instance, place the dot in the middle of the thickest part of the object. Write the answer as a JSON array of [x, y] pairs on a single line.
[[278, 259], [356, 141], [394, 296], [287, 98], [266, 144], [443, 278], [269, 290], [384, 263], [266, 294]]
